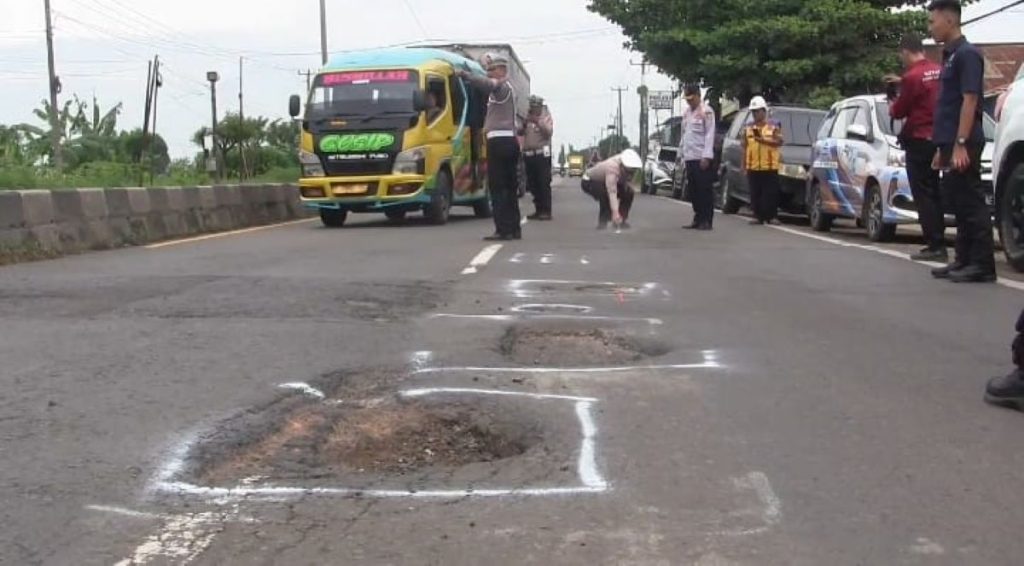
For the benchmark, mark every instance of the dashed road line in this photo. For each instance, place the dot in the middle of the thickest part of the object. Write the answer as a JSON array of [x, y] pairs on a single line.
[[483, 258]]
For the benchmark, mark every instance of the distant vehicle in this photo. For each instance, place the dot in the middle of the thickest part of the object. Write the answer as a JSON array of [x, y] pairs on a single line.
[[1008, 165], [859, 170], [577, 165], [799, 129], [659, 170]]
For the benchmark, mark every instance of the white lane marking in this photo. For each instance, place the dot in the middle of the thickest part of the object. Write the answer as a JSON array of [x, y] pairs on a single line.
[[181, 540], [927, 547], [124, 511], [507, 317], [224, 234], [770, 506], [517, 258], [164, 482], [705, 365], [547, 258], [483, 258], [585, 260], [1008, 283], [436, 390], [532, 307], [304, 388], [587, 465]]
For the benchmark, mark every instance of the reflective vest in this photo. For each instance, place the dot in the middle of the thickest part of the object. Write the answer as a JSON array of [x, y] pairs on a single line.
[[760, 156]]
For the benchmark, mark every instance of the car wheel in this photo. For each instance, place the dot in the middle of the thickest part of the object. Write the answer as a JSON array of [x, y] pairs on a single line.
[[333, 218], [440, 201], [730, 204], [820, 220], [1011, 218], [874, 220], [395, 215]]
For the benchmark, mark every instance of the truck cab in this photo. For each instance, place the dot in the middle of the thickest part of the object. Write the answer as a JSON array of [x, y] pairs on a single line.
[[393, 132]]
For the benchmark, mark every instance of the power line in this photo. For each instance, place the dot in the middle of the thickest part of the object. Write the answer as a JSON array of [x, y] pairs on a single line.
[[416, 18], [993, 12]]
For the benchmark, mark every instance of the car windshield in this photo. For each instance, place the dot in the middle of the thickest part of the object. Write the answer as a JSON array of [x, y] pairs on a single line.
[[799, 128], [889, 126], [363, 93]]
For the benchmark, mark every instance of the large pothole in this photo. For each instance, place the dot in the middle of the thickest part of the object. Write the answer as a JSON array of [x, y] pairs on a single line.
[[576, 346]]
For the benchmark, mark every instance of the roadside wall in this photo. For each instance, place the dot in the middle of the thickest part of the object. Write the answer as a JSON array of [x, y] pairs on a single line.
[[74, 220]]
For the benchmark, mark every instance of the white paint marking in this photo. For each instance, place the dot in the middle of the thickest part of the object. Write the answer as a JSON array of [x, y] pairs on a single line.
[[585, 260], [519, 287], [587, 465], [421, 359], [469, 271], [524, 221], [506, 317], [705, 365], [436, 390], [770, 509], [124, 512], [181, 540], [547, 258], [1008, 283], [498, 317], [304, 388], [483, 258], [517, 258], [532, 307], [164, 481], [927, 547], [224, 234]]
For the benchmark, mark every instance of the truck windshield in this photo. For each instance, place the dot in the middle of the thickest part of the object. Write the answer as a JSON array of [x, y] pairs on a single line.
[[363, 93]]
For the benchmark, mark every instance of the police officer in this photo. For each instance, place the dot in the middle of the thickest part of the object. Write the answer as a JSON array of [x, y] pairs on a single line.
[[697, 149], [502, 146], [537, 153], [958, 135], [609, 183]]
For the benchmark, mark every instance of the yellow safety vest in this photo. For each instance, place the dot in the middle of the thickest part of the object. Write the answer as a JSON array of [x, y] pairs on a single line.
[[761, 156]]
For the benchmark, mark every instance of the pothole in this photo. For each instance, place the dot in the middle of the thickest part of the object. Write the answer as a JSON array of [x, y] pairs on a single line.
[[561, 347]]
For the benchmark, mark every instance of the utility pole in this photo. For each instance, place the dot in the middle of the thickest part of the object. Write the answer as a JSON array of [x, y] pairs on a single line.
[[56, 130], [309, 78], [644, 112], [243, 172], [323, 31], [213, 77], [158, 82], [618, 119]]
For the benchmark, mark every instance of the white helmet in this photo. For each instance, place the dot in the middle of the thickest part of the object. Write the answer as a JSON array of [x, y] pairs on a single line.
[[630, 159], [758, 103]]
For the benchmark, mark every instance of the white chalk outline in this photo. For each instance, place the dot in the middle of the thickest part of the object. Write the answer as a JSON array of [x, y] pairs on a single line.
[[576, 309], [421, 359], [524, 316], [547, 258], [770, 511], [517, 258], [516, 287], [483, 258], [304, 388], [590, 477], [614, 369]]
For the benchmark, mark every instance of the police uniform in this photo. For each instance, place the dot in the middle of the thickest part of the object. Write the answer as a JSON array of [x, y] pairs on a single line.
[[608, 183], [502, 150], [537, 155]]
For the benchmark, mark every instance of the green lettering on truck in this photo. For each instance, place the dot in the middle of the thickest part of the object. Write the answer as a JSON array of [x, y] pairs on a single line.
[[356, 143]]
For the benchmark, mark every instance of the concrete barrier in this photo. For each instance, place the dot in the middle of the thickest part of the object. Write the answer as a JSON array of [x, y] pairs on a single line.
[[72, 220]]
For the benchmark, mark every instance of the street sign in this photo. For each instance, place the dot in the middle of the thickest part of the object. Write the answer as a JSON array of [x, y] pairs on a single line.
[[660, 99]]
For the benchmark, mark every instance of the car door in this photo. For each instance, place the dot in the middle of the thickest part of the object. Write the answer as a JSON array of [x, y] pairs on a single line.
[[732, 157], [857, 156], [828, 160]]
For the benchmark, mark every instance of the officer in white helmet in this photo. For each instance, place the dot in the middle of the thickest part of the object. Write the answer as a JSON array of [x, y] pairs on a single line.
[[762, 161], [610, 183]]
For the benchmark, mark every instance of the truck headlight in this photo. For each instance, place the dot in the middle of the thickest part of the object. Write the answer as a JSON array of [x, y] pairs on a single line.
[[311, 165], [793, 171], [411, 162]]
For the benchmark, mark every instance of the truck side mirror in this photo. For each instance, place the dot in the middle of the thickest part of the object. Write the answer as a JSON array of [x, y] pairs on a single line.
[[419, 100], [295, 106]]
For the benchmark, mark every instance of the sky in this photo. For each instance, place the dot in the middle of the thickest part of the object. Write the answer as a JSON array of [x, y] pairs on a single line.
[[102, 47]]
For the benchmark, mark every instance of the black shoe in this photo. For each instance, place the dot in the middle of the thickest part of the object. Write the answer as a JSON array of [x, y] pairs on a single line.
[[1006, 391], [693, 226], [625, 225], [938, 255], [499, 238], [705, 227], [973, 274], [516, 236], [539, 216], [602, 225], [774, 222], [756, 222], [943, 272]]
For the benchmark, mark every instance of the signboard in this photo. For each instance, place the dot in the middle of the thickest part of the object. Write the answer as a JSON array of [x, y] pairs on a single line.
[[660, 99]]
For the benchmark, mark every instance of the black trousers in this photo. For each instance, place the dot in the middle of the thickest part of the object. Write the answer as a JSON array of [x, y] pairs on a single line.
[[764, 194], [924, 185], [503, 183], [966, 194], [701, 184], [600, 194], [538, 181]]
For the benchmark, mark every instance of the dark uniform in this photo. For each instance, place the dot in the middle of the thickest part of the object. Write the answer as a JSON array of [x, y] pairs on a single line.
[[1009, 390], [537, 153], [963, 72], [502, 151]]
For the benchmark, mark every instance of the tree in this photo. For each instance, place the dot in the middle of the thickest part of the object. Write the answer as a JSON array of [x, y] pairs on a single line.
[[612, 145], [254, 146], [787, 50]]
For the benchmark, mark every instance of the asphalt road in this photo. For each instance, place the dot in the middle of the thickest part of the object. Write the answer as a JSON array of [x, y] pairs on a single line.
[[744, 396]]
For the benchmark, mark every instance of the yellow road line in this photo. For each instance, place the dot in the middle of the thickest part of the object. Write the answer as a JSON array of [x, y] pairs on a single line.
[[224, 234]]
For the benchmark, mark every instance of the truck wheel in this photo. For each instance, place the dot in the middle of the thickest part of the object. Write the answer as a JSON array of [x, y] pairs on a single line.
[[874, 222], [1011, 218], [440, 201], [333, 218], [482, 207], [820, 221], [395, 215]]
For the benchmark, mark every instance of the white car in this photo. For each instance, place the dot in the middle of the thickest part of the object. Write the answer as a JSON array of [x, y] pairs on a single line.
[[1008, 168]]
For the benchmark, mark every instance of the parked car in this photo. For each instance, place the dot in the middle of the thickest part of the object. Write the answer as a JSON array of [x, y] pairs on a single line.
[[659, 170], [1008, 165], [859, 170], [799, 128]]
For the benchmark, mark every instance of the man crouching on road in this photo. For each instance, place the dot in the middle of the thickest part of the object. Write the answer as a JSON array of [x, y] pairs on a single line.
[[609, 183]]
